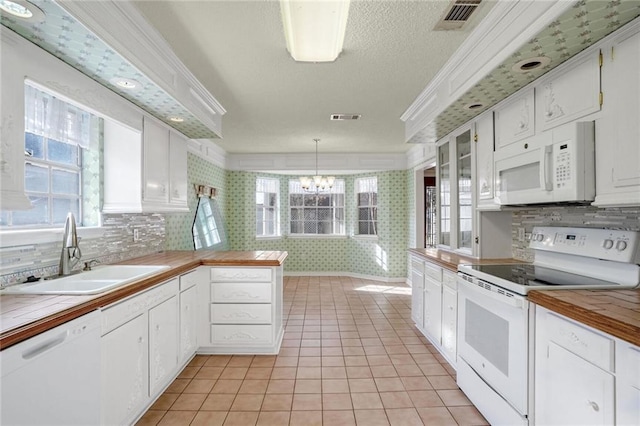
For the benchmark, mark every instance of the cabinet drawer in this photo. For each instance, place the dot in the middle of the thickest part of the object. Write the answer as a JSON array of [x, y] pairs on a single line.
[[433, 271], [241, 274], [231, 313], [593, 347], [417, 264], [241, 292], [246, 335], [116, 315], [450, 280], [188, 280]]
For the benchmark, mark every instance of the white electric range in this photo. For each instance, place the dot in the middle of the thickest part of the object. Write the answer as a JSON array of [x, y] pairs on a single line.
[[494, 333]]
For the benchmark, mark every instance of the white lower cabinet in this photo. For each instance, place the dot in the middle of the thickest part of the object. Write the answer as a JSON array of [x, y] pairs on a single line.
[[146, 339], [125, 371], [449, 316], [570, 390], [434, 305], [583, 376], [188, 324], [627, 384], [417, 291], [163, 343], [433, 309], [245, 311]]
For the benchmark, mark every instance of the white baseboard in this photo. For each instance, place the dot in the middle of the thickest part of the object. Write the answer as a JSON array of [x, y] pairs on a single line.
[[344, 274]]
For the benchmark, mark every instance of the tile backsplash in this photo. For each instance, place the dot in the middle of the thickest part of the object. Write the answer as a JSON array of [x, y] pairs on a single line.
[[19, 262], [627, 218]]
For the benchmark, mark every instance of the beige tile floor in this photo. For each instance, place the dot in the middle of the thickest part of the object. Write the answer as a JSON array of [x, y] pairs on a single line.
[[350, 356]]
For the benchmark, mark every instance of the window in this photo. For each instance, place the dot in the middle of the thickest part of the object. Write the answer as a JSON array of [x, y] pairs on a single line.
[[367, 201], [58, 163], [316, 214], [267, 210], [207, 232]]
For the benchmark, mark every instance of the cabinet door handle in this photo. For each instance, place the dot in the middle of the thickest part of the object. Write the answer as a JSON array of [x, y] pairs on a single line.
[[34, 352], [595, 406], [545, 176]]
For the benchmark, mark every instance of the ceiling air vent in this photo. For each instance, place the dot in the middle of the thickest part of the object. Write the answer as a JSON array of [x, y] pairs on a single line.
[[457, 15], [342, 117]]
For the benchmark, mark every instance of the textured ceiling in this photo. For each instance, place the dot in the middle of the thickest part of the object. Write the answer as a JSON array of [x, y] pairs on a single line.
[[238, 52]]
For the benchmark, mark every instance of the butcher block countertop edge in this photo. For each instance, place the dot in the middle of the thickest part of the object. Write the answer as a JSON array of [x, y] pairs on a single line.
[[616, 312], [450, 260]]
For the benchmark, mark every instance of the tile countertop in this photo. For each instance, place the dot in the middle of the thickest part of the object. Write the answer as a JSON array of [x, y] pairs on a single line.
[[450, 260], [24, 316], [616, 312]]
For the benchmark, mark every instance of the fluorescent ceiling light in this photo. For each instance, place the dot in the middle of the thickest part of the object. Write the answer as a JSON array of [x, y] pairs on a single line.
[[314, 29]]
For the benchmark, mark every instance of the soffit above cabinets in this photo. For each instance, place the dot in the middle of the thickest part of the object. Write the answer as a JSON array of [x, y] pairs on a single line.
[[582, 24], [178, 94]]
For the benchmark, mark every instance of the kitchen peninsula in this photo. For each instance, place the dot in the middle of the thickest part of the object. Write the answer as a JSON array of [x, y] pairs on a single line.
[[24, 316]]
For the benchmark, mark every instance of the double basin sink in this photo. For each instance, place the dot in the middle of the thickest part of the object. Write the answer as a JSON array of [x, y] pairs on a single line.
[[96, 281]]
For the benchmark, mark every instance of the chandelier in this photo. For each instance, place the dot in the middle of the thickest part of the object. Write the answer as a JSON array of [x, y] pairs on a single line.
[[316, 183]]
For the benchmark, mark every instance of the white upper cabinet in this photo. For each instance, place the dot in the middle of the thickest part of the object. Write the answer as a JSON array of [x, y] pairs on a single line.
[[155, 154], [568, 94], [515, 119], [144, 172], [484, 162], [178, 176], [12, 158], [618, 132]]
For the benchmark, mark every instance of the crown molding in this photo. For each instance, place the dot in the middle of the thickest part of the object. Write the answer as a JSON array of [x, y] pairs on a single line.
[[295, 163], [122, 27], [507, 27], [208, 150]]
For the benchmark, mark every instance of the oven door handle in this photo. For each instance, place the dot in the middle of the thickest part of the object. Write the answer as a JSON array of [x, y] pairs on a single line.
[[506, 298]]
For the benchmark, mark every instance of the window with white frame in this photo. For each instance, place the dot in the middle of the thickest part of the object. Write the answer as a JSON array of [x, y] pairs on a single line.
[[316, 214], [367, 205], [61, 149], [267, 207]]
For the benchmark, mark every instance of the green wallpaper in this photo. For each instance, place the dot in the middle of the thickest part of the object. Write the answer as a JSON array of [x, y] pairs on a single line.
[[178, 225], [384, 257]]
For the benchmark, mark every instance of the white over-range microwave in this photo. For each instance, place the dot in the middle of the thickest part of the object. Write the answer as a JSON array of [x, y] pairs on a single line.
[[555, 166]]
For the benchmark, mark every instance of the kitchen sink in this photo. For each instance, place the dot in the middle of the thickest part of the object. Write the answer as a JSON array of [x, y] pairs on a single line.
[[98, 280]]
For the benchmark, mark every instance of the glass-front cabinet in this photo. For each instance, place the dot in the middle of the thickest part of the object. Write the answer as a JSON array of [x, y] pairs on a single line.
[[444, 179], [455, 190], [465, 198]]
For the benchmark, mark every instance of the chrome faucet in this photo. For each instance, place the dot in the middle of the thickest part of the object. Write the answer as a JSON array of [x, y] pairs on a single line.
[[70, 254]]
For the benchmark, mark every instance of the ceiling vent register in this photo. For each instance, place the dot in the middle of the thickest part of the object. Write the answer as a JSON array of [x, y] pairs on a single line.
[[457, 15], [342, 117]]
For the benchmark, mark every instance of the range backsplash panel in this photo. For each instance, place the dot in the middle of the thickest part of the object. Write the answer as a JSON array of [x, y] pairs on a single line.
[[627, 218]]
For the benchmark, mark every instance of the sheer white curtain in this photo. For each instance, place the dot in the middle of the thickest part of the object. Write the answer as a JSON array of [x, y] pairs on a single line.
[[48, 116]]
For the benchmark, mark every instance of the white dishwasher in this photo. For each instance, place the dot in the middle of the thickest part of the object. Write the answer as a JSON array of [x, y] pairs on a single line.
[[54, 377]]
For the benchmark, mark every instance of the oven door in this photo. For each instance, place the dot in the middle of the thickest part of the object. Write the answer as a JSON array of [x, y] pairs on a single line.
[[493, 338]]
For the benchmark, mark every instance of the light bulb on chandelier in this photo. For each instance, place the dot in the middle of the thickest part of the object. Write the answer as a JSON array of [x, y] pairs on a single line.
[[317, 183]]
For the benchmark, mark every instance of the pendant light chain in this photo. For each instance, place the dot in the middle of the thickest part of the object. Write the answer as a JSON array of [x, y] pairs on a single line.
[[317, 183]]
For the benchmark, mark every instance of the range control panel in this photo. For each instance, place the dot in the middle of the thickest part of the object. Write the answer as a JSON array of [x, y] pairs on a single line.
[[607, 244]]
